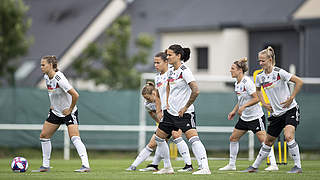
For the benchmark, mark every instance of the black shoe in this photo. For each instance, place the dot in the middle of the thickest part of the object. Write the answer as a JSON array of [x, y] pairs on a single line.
[[187, 168], [150, 167]]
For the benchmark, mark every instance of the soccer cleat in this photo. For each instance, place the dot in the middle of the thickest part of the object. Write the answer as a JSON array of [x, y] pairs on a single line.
[[131, 168], [295, 169], [150, 167], [42, 169], [272, 168], [228, 167], [202, 171], [165, 171], [83, 169], [250, 169], [187, 168]]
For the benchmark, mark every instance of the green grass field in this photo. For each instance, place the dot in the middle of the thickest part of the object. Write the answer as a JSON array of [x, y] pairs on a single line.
[[114, 168]]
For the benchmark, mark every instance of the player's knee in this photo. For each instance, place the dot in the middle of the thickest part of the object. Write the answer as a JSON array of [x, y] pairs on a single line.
[[175, 135], [44, 136], [268, 142], [233, 139], [289, 137], [152, 145]]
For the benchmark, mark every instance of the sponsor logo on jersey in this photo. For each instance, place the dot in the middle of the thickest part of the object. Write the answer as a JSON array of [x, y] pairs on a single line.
[[270, 84], [159, 84]]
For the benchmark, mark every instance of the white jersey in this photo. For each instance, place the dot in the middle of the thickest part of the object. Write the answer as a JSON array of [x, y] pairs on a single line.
[[150, 106], [161, 81], [244, 89], [179, 89], [58, 88], [277, 90]]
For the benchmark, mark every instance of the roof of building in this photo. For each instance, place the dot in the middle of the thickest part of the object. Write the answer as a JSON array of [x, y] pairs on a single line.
[[56, 25]]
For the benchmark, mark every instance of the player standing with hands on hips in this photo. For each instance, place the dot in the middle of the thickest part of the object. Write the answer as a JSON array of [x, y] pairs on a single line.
[[63, 110], [250, 112], [283, 107]]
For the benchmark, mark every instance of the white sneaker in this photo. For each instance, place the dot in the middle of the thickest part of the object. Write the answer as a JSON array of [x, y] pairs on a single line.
[[228, 167], [165, 171], [272, 168], [203, 171]]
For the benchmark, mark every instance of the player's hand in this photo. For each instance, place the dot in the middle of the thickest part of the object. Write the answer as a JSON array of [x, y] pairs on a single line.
[[66, 112], [231, 115], [268, 107], [182, 111], [287, 103], [159, 115], [240, 110]]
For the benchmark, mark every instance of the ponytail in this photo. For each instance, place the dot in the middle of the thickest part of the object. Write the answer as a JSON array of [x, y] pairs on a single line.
[[52, 60], [242, 64], [184, 52], [269, 52]]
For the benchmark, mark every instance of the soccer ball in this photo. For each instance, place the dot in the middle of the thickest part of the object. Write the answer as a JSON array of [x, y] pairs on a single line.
[[19, 164]]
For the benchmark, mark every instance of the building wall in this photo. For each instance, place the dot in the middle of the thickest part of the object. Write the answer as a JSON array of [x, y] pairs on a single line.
[[288, 40], [224, 47]]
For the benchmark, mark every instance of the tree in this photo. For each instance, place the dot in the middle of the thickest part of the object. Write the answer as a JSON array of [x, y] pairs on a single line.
[[109, 63], [13, 41]]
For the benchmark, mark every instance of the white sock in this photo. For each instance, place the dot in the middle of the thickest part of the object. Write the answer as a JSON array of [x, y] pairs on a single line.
[[263, 153], [157, 157], [81, 149], [164, 151], [183, 150], [294, 152], [199, 150], [234, 149], [272, 158], [46, 151], [143, 155]]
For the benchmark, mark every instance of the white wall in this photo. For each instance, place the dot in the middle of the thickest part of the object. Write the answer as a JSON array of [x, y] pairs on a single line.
[[224, 47]]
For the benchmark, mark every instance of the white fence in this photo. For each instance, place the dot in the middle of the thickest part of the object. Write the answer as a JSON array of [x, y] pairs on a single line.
[[140, 129]]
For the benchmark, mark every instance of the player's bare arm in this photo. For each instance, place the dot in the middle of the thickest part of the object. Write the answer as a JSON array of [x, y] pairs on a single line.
[[158, 106], [75, 96], [253, 101], [298, 85], [167, 93], [264, 104], [233, 112], [194, 94]]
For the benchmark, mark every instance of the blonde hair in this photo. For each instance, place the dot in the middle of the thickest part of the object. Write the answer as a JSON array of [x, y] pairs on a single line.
[[52, 60], [242, 64], [148, 88], [269, 52]]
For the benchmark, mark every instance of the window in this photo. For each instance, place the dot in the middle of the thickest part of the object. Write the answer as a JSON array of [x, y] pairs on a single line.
[[202, 58]]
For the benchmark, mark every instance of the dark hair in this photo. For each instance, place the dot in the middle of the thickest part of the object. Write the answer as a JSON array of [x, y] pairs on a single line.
[[52, 60], [162, 55], [184, 52], [148, 88], [242, 64]]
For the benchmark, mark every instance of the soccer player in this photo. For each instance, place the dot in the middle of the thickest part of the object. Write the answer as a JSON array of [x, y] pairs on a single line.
[[63, 110], [283, 107], [250, 112], [161, 81], [182, 91], [151, 94]]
